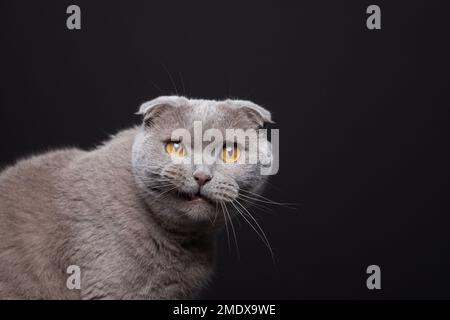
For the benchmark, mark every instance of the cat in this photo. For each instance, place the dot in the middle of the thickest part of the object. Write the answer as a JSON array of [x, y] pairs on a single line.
[[138, 225]]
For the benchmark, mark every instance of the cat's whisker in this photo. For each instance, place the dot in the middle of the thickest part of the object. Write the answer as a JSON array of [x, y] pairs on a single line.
[[165, 192], [239, 211], [151, 179], [216, 214], [259, 206], [154, 177], [233, 230], [171, 78], [262, 234], [161, 184], [182, 83], [160, 188], [226, 224], [266, 200], [154, 182], [260, 198]]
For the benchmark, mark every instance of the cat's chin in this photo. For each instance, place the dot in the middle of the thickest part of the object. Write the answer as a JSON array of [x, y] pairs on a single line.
[[190, 207], [196, 207]]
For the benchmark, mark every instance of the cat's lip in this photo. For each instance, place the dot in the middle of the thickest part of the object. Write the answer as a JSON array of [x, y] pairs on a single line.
[[195, 198]]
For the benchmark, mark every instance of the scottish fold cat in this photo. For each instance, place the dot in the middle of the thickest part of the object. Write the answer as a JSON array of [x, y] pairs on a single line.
[[135, 223]]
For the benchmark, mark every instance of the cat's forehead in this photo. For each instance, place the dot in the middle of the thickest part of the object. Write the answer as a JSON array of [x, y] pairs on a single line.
[[212, 113], [174, 112]]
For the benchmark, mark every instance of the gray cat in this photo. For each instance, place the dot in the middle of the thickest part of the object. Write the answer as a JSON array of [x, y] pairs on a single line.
[[138, 225]]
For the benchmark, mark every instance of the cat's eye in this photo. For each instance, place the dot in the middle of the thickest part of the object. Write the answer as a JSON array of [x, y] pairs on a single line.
[[230, 154], [175, 148]]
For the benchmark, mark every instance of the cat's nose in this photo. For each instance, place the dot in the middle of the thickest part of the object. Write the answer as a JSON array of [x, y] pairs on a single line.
[[201, 177]]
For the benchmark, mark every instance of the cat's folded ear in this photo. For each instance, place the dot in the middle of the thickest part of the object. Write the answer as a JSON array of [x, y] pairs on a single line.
[[154, 108], [254, 112]]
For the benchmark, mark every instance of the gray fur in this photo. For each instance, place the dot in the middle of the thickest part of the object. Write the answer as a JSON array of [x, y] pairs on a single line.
[[104, 211]]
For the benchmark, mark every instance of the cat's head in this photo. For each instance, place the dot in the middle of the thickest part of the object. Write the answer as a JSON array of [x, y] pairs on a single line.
[[185, 164]]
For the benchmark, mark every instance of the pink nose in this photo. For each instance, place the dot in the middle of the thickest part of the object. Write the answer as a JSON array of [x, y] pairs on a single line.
[[201, 178]]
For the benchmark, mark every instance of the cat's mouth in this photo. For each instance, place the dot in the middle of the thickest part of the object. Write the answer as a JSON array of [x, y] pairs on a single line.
[[193, 198]]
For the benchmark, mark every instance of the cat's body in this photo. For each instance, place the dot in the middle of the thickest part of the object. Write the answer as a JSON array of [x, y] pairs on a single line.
[[92, 210], [102, 226]]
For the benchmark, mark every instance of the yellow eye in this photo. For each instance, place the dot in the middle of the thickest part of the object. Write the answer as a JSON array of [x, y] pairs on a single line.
[[175, 148], [230, 154]]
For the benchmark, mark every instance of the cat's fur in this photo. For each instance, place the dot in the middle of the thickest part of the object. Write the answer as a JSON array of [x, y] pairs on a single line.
[[103, 211]]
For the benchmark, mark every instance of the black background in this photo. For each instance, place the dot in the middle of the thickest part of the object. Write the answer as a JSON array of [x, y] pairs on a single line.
[[363, 118]]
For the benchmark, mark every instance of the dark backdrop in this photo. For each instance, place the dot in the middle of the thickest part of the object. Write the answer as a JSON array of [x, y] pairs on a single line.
[[363, 118]]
